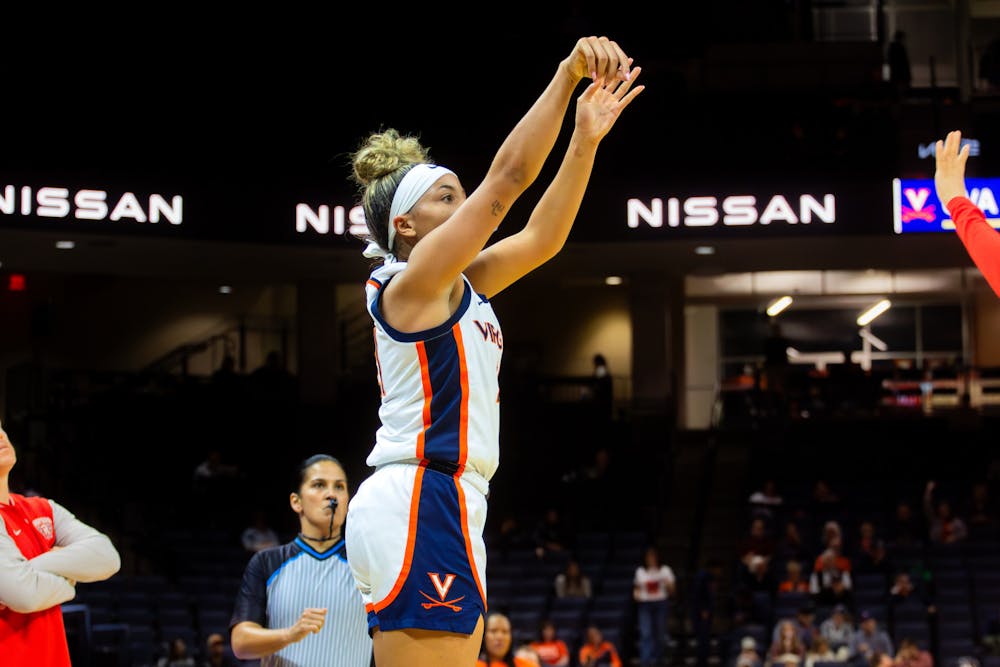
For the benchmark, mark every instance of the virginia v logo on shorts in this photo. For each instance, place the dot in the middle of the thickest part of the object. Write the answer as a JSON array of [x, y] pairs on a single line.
[[442, 588]]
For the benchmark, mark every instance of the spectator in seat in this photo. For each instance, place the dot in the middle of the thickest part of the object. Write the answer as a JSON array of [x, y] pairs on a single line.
[[215, 652], [904, 593], [791, 546], [767, 495], [794, 581], [877, 561], [869, 641], [259, 535], [787, 647], [866, 540], [911, 655], [551, 535], [497, 643], [177, 655], [831, 584], [820, 651], [758, 542], [572, 582], [804, 623], [766, 502], [833, 538], [552, 650], [943, 526], [758, 578], [748, 655], [525, 656], [838, 631], [906, 530], [596, 651]]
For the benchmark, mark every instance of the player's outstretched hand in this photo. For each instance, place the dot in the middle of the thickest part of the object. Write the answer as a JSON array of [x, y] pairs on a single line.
[[599, 58], [599, 106], [949, 176]]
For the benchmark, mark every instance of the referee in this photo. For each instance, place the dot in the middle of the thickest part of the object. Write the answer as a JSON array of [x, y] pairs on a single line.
[[298, 603]]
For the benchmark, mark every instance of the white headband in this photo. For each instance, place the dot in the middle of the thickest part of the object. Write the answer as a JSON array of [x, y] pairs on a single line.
[[411, 188]]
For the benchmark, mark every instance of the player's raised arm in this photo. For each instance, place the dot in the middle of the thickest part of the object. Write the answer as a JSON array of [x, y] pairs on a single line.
[[446, 249], [981, 241], [548, 227]]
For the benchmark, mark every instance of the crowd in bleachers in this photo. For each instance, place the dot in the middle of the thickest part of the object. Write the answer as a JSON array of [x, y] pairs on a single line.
[[858, 583], [565, 540], [809, 588]]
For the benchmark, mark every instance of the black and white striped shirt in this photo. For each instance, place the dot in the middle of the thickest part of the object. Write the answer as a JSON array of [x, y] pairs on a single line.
[[279, 583]]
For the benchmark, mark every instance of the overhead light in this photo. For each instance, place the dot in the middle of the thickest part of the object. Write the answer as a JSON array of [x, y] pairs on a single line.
[[613, 280], [65, 245], [778, 305], [866, 317], [225, 289], [704, 250]]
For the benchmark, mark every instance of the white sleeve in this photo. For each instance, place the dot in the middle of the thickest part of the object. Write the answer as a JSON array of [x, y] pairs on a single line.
[[85, 554], [23, 587]]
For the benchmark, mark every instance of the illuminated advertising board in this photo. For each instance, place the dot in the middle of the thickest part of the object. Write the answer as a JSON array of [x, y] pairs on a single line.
[[273, 213], [790, 209], [916, 207], [311, 213], [736, 210], [90, 204]]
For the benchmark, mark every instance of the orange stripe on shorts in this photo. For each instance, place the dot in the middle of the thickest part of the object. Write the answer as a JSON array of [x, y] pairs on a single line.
[[411, 538]]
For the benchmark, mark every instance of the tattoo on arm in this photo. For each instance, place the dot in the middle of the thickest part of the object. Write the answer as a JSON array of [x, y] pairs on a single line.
[[498, 208]]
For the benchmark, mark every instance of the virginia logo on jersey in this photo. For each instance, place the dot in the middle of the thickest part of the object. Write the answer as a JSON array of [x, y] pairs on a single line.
[[442, 588], [491, 332]]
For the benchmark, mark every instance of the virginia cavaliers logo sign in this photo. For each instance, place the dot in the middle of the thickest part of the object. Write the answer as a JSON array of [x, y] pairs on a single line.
[[43, 525], [442, 588], [918, 209]]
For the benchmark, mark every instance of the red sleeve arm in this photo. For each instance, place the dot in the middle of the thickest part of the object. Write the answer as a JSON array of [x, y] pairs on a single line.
[[981, 241]]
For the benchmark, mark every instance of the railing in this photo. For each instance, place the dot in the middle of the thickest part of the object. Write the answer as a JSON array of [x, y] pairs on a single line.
[[247, 342], [942, 393], [849, 390], [178, 359]]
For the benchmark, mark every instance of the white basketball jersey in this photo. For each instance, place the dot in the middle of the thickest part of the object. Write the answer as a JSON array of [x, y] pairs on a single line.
[[440, 391]]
